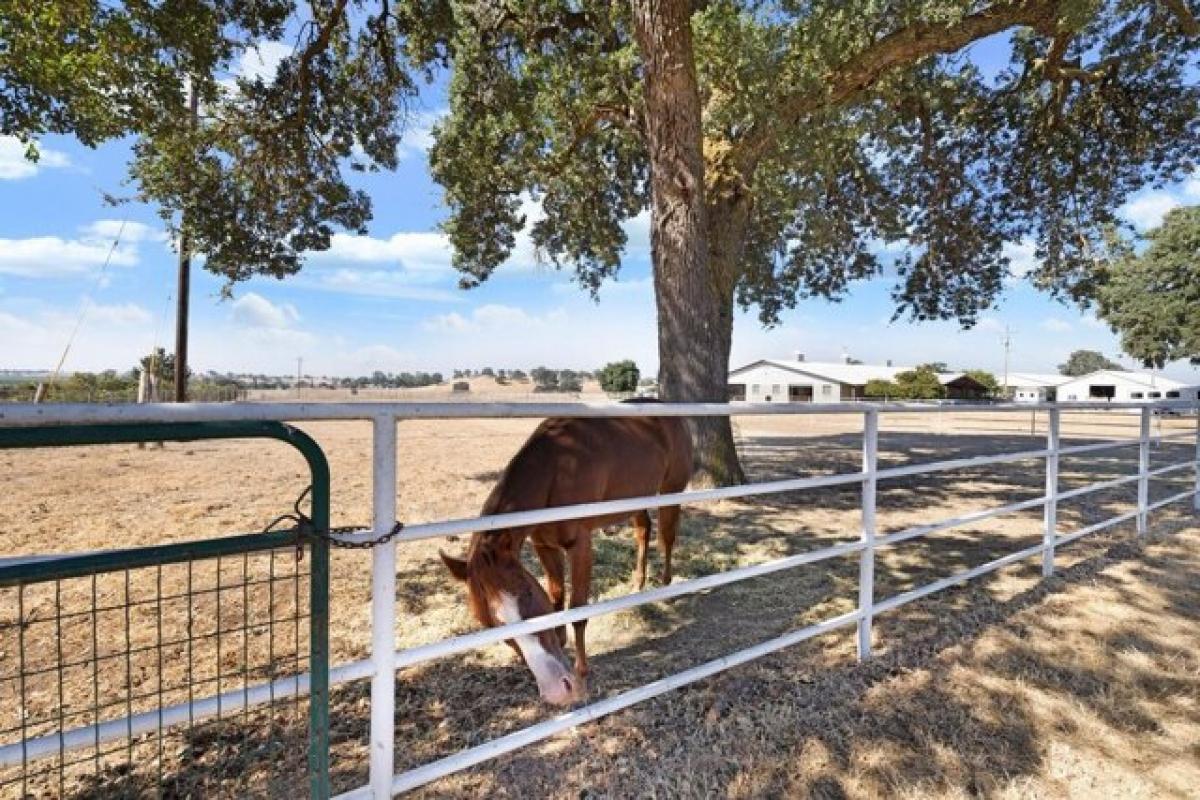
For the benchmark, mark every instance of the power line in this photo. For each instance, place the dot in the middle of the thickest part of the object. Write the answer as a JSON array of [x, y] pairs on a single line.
[[86, 303]]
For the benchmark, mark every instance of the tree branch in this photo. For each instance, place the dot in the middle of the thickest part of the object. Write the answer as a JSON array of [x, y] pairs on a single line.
[[314, 48], [905, 46], [601, 112], [1057, 68], [1185, 17]]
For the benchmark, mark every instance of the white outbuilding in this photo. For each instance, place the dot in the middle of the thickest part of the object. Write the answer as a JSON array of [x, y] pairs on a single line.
[[1109, 385], [800, 381], [1032, 387]]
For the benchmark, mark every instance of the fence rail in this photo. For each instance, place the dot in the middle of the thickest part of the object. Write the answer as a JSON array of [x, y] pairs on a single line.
[[385, 660]]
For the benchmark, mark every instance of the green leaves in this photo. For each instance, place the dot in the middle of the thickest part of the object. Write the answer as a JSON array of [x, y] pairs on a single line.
[[619, 377], [258, 173], [1085, 362], [829, 127], [544, 105], [1153, 300]]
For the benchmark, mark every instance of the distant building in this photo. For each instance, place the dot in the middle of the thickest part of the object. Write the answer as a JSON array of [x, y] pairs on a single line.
[[1032, 387], [800, 381], [1109, 385]]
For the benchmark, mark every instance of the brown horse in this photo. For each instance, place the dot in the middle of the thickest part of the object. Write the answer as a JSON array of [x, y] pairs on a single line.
[[568, 461]]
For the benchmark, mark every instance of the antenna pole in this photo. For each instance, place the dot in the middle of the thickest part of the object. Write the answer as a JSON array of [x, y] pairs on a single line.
[[183, 296], [1007, 348]]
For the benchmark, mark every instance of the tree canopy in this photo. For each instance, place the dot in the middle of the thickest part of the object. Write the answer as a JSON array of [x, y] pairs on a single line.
[[1152, 299], [775, 144], [919, 383], [986, 379], [1084, 362], [619, 377], [262, 170], [778, 144], [837, 125]]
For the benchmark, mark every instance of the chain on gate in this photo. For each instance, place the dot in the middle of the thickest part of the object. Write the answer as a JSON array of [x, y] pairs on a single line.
[[303, 526]]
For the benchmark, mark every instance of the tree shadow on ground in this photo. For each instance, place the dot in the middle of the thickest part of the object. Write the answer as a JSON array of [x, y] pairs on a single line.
[[799, 722], [682, 633]]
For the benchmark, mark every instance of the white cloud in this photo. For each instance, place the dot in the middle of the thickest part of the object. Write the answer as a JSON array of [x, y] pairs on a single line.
[[888, 249], [397, 284], [448, 322], [14, 166], [261, 62], [989, 325], [1022, 259], [106, 231], [111, 336], [1092, 321], [1056, 325], [575, 333], [255, 311], [120, 314], [52, 257], [56, 257], [494, 316], [1148, 210], [418, 136], [423, 251], [1191, 187], [15, 328], [422, 261]]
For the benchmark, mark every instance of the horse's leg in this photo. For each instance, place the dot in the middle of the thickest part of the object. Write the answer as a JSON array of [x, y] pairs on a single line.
[[668, 526], [641, 534], [581, 587], [554, 565]]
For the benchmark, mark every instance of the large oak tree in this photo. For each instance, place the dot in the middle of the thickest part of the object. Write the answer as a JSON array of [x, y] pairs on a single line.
[[777, 143]]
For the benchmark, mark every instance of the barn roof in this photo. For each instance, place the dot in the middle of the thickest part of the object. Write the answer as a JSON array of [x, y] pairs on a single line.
[[849, 374], [1035, 380], [1141, 379]]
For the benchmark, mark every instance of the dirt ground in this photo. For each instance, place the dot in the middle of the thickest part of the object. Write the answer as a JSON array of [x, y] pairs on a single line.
[[1084, 685]]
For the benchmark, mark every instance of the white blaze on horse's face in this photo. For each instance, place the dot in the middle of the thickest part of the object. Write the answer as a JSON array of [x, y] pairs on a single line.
[[557, 683]]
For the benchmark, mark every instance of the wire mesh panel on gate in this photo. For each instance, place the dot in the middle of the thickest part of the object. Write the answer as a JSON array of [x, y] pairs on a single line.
[[106, 676]]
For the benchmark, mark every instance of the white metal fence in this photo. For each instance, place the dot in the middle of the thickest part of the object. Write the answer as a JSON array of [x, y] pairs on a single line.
[[385, 660]]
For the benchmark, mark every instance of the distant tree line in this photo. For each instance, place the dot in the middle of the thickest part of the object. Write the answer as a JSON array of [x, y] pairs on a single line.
[[115, 386], [388, 380]]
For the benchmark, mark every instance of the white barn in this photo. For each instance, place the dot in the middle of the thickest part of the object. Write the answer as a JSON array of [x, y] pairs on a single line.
[[1122, 387], [776, 381], [1032, 387]]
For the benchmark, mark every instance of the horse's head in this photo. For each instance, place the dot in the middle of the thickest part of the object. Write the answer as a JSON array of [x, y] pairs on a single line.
[[500, 591]]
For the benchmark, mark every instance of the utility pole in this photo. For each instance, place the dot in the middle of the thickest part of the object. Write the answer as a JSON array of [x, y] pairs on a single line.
[[185, 280], [1007, 349]]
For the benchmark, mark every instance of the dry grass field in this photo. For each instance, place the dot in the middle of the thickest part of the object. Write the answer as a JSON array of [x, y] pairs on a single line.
[[1085, 685]]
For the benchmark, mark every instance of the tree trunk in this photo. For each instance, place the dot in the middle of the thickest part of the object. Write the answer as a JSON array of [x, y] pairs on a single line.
[[695, 320]]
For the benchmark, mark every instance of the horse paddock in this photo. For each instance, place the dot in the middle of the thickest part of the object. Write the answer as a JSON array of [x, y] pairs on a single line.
[[1084, 684]]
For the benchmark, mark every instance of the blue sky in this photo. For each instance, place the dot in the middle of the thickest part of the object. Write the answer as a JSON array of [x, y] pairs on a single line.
[[388, 300]]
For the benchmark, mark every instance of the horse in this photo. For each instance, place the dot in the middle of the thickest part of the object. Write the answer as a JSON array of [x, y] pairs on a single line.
[[567, 461]]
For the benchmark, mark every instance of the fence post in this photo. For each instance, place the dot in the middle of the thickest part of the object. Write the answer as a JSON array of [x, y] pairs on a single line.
[[1143, 485], [866, 559], [1050, 511], [1196, 496], [383, 610], [318, 685]]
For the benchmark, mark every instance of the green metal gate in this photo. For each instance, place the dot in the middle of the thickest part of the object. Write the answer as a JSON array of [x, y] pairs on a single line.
[[173, 670]]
